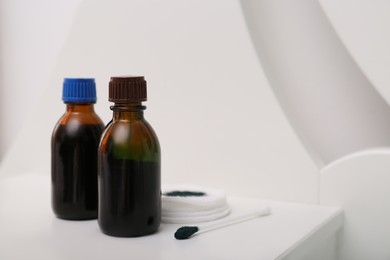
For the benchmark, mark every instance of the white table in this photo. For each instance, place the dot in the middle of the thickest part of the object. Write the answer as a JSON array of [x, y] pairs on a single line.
[[29, 230]]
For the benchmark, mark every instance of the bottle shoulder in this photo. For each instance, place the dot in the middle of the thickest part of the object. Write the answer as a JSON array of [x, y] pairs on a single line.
[[80, 119], [124, 130], [76, 125], [130, 139]]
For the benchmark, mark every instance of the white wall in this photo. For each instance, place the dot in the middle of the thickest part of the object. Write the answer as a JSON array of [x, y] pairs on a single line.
[[31, 36], [364, 28], [216, 117], [187, 49], [334, 108]]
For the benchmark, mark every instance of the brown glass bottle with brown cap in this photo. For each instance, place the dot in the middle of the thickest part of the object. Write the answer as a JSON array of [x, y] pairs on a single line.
[[129, 164], [74, 147]]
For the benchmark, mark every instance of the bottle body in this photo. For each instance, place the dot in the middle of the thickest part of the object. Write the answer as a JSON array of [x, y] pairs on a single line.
[[74, 147], [129, 175]]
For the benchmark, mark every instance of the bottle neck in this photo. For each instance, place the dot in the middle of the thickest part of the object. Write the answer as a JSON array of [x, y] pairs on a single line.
[[80, 107], [128, 111]]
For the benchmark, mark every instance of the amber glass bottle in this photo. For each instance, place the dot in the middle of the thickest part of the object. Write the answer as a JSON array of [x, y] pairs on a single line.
[[74, 147], [129, 164]]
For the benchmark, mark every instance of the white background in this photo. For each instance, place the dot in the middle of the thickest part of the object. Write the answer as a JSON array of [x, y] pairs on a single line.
[[209, 101]]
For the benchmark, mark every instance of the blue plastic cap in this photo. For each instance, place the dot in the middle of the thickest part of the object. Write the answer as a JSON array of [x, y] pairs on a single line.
[[79, 90]]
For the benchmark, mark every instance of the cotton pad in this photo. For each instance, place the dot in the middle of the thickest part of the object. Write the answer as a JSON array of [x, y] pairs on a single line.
[[184, 203]]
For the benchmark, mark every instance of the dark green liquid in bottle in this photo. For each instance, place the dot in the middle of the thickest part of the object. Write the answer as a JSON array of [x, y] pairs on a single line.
[[130, 197], [74, 162], [129, 165]]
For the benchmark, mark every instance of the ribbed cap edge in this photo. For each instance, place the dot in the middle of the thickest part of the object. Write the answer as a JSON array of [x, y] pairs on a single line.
[[79, 90], [124, 89]]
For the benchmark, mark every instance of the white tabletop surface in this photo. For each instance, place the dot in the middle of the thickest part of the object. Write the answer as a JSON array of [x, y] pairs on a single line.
[[29, 230]]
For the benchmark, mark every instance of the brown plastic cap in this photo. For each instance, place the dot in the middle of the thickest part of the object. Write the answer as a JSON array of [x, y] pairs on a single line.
[[125, 89]]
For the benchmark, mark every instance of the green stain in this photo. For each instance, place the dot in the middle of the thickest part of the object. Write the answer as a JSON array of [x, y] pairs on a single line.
[[185, 194]]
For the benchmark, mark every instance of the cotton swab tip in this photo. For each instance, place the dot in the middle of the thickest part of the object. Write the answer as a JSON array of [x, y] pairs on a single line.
[[185, 232]]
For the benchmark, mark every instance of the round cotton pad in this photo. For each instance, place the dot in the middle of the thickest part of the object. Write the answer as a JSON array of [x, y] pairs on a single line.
[[186, 203]]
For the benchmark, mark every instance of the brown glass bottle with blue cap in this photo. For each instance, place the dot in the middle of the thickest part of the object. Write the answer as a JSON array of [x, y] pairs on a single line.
[[74, 145], [129, 164]]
